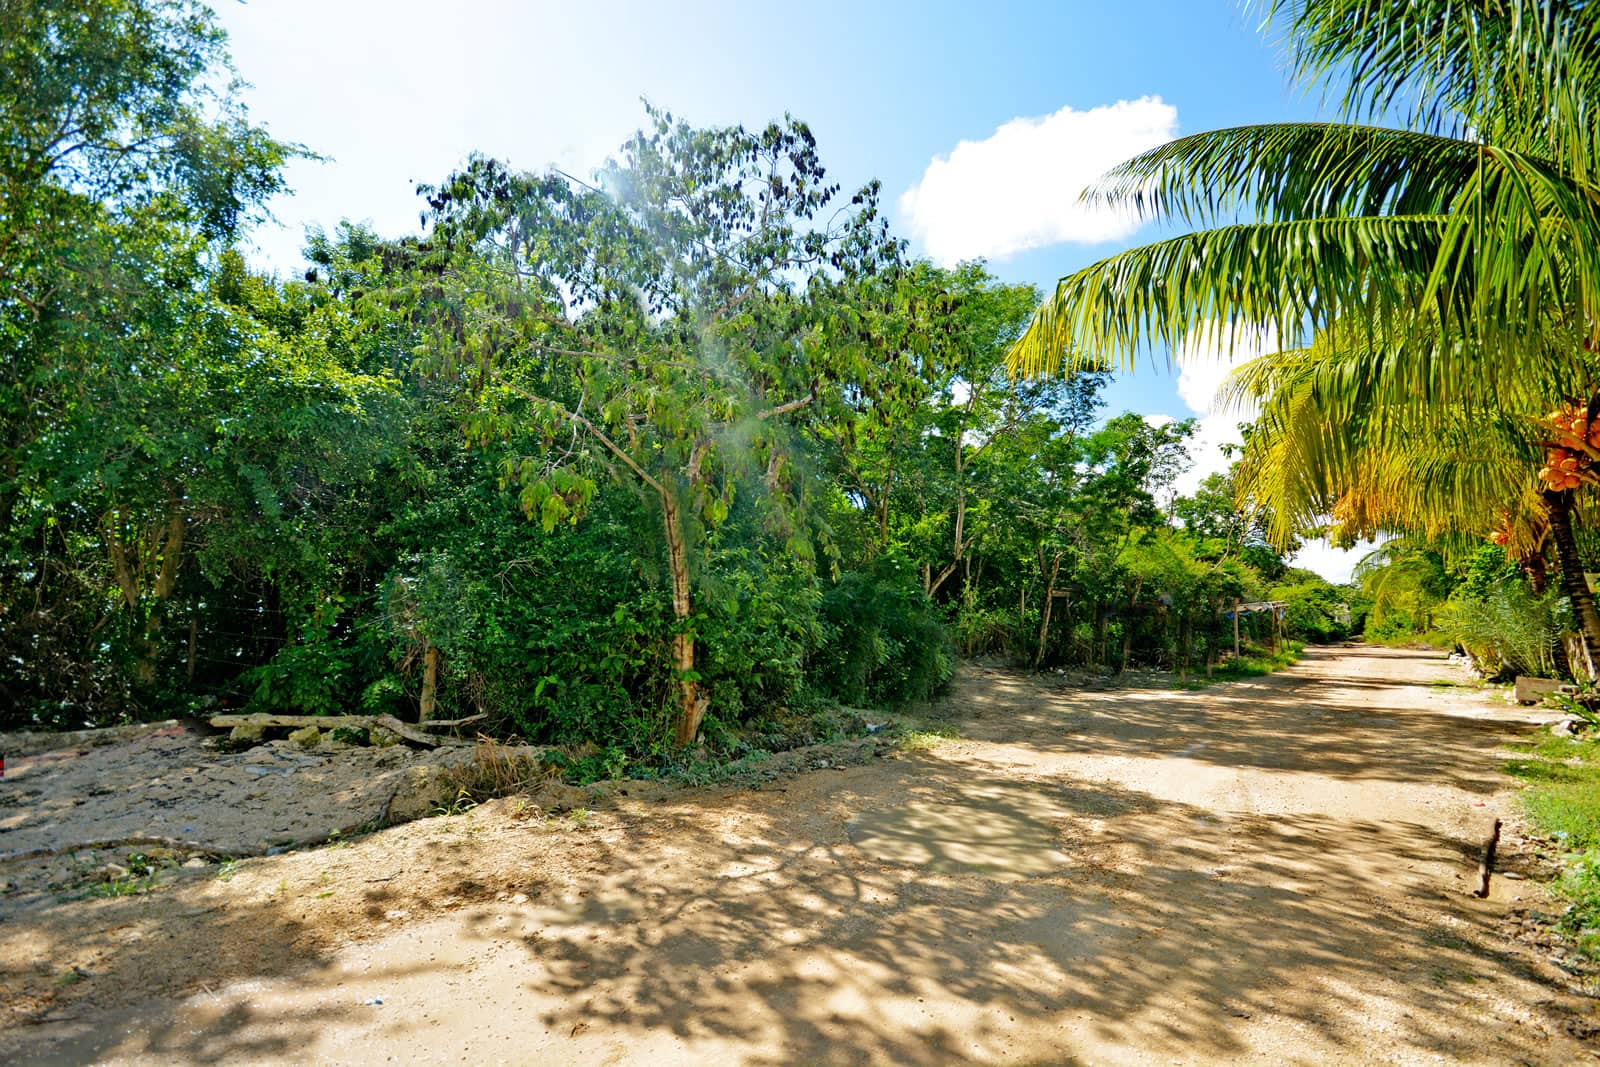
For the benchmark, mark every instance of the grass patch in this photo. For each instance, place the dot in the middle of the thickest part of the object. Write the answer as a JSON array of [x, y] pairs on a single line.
[[1436, 639], [1567, 810], [1562, 799], [912, 740], [1254, 663], [1563, 794]]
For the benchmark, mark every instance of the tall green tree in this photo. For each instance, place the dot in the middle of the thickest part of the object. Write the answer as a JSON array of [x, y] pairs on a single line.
[[669, 324]]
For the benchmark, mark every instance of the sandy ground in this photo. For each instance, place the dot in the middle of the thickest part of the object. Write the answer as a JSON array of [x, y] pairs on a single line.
[[1274, 871]]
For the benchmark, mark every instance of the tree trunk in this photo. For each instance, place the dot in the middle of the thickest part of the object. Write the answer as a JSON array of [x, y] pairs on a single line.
[[1558, 506], [1236, 603], [1127, 627], [691, 701], [430, 683], [1049, 602], [1184, 637]]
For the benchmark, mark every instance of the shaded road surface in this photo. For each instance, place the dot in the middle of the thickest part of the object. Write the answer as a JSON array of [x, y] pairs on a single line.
[[1272, 872]]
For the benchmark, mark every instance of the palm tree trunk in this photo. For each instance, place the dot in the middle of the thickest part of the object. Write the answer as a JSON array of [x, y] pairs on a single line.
[[1558, 506]]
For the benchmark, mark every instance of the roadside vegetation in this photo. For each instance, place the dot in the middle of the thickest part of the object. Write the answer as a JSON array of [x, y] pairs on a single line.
[[1561, 799], [686, 454], [687, 460]]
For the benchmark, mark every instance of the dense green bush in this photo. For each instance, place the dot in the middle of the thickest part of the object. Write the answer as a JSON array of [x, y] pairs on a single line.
[[883, 642]]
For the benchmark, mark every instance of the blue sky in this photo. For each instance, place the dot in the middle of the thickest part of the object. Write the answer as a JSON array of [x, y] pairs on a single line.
[[959, 104]]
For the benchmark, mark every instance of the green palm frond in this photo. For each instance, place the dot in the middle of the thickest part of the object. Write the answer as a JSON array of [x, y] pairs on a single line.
[[1289, 276], [1290, 171], [1521, 73], [1440, 471], [1515, 243]]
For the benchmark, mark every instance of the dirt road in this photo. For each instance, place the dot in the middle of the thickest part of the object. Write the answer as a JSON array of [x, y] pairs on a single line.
[[1272, 872]]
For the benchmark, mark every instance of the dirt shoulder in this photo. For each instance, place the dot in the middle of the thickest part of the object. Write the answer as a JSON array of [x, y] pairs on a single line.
[[1272, 871]]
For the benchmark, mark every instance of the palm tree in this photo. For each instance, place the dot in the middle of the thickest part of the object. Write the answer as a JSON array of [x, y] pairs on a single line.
[[1450, 264], [1447, 477], [1464, 235]]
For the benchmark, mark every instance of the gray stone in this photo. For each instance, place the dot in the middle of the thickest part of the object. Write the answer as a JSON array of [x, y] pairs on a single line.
[[378, 737], [247, 735], [307, 737]]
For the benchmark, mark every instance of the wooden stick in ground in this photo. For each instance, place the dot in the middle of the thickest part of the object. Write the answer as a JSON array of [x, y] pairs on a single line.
[[1486, 863]]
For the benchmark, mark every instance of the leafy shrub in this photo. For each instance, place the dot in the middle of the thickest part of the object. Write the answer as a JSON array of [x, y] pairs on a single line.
[[1508, 628], [883, 643], [758, 622], [980, 631]]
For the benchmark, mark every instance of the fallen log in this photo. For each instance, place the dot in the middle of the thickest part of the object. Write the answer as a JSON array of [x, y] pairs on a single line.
[[442, 724], [1486, 862], [333, 722]]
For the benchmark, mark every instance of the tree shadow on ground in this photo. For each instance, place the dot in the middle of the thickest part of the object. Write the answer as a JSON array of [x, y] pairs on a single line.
[[1305, 719], [826, 953], [936, 909]]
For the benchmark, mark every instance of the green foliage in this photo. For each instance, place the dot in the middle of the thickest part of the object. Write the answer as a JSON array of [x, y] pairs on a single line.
[[1580, 884], [1316, 609], [883, 644], [688, 451], [1508, 629]]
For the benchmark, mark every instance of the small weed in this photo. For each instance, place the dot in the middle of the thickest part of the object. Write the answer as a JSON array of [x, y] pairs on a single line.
[[523, 808], [925, 740], [463, 803], [130, 886], [227, 869]]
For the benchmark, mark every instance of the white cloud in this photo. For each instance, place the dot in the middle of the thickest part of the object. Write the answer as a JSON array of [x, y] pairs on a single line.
[[1019, 188], [1334, 564], [1205, 361]]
